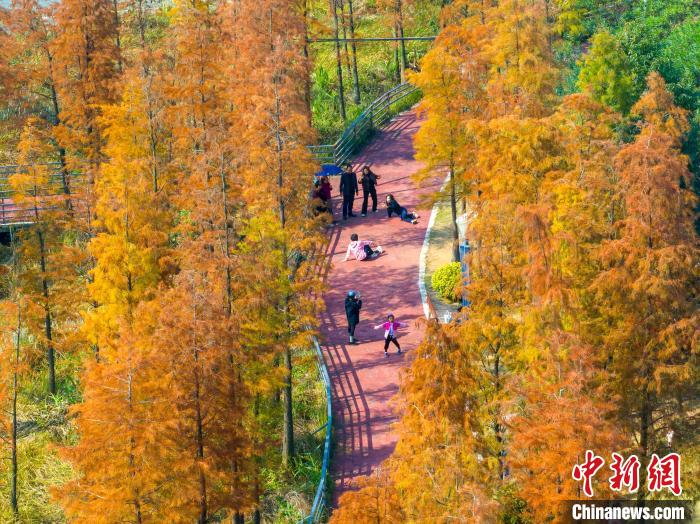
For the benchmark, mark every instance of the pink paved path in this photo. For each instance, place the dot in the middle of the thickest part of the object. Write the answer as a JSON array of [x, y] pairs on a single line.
[[363, 380]]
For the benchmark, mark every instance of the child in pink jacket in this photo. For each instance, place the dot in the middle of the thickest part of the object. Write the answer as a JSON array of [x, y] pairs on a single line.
[[390, 327]]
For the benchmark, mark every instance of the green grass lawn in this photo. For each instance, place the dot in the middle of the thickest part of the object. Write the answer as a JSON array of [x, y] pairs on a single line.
[[377, 68]]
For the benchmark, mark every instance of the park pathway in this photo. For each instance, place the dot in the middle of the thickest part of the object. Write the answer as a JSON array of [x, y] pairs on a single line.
[[363, 380]]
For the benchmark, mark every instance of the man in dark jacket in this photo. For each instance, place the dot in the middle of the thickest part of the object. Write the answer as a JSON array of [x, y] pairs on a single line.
[[348, 188], [353, 304]]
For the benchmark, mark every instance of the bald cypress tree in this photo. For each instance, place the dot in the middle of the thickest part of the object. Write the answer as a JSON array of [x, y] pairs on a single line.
[[648, 288]]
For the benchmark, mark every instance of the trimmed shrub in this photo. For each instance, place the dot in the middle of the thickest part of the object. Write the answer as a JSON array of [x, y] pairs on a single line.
[[447, 281]]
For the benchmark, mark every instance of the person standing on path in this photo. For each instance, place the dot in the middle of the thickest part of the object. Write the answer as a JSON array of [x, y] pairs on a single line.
[[390, 327], [369, 188], [353, 304], [348, 188]]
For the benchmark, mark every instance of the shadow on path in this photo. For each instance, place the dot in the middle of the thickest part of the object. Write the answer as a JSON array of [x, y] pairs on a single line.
[[363, 381]]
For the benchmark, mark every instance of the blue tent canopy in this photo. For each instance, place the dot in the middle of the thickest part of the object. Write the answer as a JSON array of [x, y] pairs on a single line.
[[329, 170]]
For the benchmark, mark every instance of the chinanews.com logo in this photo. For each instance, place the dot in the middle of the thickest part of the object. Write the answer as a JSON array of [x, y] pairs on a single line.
[[663, 477]]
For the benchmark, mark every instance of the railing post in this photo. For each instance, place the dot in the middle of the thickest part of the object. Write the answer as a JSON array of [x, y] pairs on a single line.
[[464, 250]]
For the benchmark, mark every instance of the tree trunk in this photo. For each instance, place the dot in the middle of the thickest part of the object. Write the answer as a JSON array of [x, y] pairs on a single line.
[[200, 443], [257, 518], [404, 55], [13, 487], [307, 79], [130, 398], [50, 352], [227, 237], [644, 430], [402, 43], [397, 67], [288, 433], [344, 25], [453, 208], [56, 122], [117, 35], [288, 442], [353, 47], [199, 425], [496, 423], [338, 61]]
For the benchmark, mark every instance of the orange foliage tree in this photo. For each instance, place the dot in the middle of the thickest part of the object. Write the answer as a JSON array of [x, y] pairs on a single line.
[[561, 390], [277, 167], [41, 243], [452, 79], [376, 502], [124, 405], [647, 288], [86, 56]]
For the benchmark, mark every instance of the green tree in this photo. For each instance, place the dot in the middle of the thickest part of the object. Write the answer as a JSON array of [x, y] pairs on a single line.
[[606, 72]]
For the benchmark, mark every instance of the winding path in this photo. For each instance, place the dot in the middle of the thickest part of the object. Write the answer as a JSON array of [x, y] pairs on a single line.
[[363, 380]]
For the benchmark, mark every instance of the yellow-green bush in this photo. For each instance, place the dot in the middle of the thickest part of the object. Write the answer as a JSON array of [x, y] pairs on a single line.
[[447, 280]]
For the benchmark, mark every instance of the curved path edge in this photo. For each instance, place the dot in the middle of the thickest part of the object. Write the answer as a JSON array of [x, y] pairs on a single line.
[[425, 250]]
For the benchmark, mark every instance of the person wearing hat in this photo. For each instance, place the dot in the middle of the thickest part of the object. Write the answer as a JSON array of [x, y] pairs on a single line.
[[353, 304], [348, 188], [390, 327]]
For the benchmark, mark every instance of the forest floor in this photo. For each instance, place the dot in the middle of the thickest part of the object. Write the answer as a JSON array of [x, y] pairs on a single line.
[[364, 382]]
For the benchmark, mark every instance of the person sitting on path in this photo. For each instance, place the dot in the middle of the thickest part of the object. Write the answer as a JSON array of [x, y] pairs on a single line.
[[323, 193], [369, 188], [390, 327], [316, 196], [348, 188], [353, 304], [393, 207], [362, 249]]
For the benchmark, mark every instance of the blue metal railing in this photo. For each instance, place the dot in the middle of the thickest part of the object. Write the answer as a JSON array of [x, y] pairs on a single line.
[[319, 504], [359, 130]]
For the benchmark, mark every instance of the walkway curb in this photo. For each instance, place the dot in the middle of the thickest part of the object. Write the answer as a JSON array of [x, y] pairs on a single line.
[[424, 252]]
